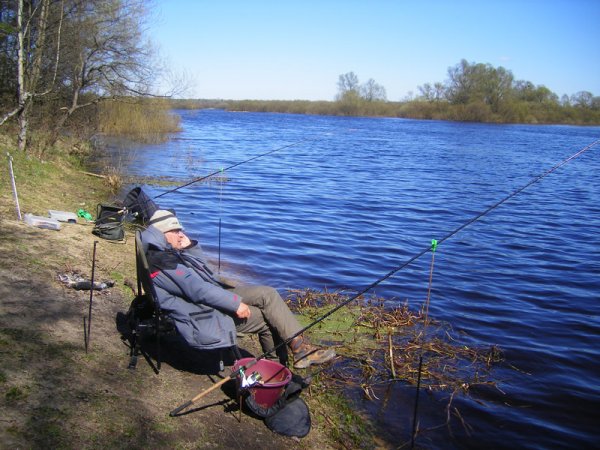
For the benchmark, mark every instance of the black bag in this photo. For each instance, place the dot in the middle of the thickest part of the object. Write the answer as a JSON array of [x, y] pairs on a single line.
[[142, 311], [109, 222], [293, 419], [110, 231], [289, 415], [109, 214]]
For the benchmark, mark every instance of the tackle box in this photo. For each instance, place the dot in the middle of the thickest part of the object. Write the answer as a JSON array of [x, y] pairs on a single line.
[[41, 222], [63, 216]]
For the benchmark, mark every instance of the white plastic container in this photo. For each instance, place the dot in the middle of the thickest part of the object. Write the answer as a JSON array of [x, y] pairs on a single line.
[[63, 216], [41, 222]]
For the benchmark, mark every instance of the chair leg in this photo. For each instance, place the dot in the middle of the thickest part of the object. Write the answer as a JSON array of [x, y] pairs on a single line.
[[133, 353], [158, 351], [136, 350], [235, 353], [221, 363], [133, 361]]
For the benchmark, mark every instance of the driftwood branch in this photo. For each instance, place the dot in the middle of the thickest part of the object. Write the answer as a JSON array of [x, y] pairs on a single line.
[[93, 174]]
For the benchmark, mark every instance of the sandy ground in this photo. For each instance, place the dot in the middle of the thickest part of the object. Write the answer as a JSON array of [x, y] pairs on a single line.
[[54, 394]]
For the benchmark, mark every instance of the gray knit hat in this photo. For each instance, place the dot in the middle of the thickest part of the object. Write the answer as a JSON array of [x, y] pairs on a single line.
[[165, 221]]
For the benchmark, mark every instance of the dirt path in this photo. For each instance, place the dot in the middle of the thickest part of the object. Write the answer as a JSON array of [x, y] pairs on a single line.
[[55, 395]]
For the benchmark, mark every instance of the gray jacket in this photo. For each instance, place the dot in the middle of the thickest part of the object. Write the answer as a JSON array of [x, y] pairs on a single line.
[[190, 293]]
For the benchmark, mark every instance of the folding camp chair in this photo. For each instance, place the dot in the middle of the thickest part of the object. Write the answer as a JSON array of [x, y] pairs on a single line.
[[146, 319]]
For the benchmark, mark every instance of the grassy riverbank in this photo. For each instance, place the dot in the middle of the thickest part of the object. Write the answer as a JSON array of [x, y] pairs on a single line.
[[54, 394]]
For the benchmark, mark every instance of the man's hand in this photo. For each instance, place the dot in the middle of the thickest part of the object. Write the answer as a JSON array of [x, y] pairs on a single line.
[[243, 312]]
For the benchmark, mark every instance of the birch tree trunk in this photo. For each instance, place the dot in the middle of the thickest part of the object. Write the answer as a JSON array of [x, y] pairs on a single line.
[[27, 85], [22, 92]]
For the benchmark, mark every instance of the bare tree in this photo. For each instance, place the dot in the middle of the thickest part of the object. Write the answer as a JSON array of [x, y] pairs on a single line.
[[27, 86], [372, 91], [108, 57], [582, 99], [348, 85], [30, 47], [434, 93], [77, 53]]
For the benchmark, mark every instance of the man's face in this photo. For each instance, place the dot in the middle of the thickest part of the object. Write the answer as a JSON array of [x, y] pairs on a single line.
[[175, 238]]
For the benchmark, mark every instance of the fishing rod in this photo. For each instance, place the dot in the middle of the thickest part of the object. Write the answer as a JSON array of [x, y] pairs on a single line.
[[220, 216], [221, 170], [449, 235], [237, 164], [389, 274], [87, 333]]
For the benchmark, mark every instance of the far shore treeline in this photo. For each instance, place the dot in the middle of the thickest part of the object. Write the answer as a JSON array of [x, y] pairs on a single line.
[[72, 69], [473, 92]]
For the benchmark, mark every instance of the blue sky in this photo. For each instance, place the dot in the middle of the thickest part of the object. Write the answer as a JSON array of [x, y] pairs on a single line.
[[285, 50]]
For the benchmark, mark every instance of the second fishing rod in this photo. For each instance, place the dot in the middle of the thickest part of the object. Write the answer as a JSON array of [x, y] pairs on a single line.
[[144, 203]]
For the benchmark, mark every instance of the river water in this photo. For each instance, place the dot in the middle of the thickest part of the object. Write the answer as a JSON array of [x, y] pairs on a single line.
[[339, 202]]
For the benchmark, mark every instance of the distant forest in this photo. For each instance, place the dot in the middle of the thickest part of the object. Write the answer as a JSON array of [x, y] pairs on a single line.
[[473, 92]]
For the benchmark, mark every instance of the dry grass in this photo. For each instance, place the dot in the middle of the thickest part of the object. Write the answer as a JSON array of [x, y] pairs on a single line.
[[146, 120]]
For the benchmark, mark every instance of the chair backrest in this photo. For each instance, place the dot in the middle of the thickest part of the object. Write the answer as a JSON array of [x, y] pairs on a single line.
[[146, 289], [144, 279]]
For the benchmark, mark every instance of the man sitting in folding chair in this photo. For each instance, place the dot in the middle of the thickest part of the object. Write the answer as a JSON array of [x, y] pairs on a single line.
[[208, 312]]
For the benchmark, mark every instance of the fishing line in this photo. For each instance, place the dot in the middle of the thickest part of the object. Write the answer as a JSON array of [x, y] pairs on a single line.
[[196, 180], [221, 171], [434, 244]]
